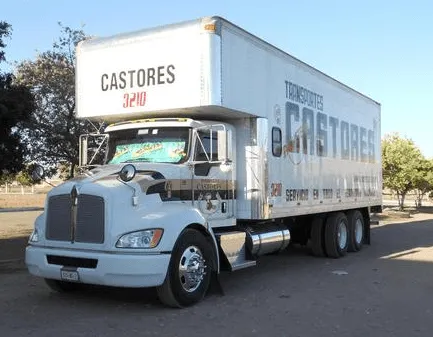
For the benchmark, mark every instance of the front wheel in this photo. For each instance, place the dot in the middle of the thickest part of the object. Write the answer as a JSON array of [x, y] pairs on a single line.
[[189, 272]]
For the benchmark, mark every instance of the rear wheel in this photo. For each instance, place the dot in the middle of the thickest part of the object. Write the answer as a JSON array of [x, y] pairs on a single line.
[[336, 235], [62, 286], [317, 235], [356, 230], [189, 273]]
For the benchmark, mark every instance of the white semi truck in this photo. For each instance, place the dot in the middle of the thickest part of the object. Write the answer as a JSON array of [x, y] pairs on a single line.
[[221, 148]]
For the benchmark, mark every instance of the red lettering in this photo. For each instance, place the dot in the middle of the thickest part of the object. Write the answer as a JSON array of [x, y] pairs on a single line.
[[132, 100], [135, 99], [142, 98]]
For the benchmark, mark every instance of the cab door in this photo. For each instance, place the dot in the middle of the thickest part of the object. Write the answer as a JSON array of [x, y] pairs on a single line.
[[213, 176]]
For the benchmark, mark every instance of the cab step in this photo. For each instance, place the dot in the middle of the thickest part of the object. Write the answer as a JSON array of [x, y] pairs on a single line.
[[233, 249]]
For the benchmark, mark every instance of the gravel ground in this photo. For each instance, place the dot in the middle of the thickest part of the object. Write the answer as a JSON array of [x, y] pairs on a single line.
[[384, 290]]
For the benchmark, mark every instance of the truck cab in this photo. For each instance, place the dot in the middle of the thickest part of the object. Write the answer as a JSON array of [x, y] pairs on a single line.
[[159, 178]]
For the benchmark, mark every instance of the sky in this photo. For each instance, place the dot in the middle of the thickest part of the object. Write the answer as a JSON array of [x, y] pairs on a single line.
[[384, 49]]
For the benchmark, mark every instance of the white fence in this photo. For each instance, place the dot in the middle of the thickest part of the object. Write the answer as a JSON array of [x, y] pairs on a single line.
[[17, 188]]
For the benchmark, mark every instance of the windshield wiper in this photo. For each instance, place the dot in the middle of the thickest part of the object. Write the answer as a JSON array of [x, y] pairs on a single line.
[[135, 160]]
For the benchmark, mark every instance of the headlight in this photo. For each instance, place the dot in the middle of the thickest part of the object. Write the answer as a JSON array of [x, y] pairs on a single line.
[[142, 239], [37, 233], [34, 237]]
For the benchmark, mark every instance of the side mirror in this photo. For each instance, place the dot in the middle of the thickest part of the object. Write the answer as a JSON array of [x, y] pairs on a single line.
[[83, 150], [127, 173], [223, 145], [37, 173], [91, 152]]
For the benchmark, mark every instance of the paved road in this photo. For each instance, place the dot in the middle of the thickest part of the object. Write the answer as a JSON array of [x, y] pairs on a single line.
[[387, 291]]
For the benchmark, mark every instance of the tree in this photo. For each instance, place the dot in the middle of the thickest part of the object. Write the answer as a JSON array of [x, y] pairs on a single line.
[[52, 134], [16, 105], [401, 160], [5, 31], [423, 180], [6, 178]]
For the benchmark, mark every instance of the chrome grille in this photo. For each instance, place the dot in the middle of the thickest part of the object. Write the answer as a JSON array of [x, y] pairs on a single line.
[[90, 219], [88, 225], [59, 218]]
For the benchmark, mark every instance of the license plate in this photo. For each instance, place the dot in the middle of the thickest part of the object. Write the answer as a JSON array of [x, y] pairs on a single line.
[[69, 275]]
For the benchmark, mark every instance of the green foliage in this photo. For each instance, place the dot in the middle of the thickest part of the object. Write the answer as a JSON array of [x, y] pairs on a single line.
[[6, 178], [24, 178], [53, 131], [423, 180], [401, 165], [16, 105], [64, 170]]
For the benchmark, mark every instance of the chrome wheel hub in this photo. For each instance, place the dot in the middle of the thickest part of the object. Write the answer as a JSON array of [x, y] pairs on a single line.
[[192, 269], [342, 235], [359, 231]]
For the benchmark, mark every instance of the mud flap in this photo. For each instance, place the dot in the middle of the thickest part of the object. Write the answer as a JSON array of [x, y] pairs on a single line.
[[367, 231], [215, 285]]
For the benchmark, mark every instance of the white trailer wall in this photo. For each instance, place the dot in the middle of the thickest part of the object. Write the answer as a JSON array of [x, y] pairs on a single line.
[[310, 109]]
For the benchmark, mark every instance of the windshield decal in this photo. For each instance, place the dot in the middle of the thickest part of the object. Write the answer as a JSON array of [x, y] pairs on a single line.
[[168, 152]]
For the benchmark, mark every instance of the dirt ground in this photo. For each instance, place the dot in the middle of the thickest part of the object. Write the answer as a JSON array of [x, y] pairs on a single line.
[[384, 290], [16, 227], [22, 200]]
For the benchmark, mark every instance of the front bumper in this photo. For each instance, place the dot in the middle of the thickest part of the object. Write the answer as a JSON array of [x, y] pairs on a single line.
[[119, 270]]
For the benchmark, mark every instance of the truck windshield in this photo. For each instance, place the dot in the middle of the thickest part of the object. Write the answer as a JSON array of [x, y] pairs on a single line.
[[157, 145]]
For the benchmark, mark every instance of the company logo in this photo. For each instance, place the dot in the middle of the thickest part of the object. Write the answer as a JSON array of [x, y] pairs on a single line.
[[310, 131], [136, 79], [208, 203]]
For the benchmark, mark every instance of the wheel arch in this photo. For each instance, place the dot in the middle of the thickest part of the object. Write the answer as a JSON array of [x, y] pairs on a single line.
[[180, 218], [210, 237]]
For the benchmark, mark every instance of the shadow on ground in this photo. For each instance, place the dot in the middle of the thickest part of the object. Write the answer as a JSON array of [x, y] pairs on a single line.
[[403, 239], [12, 252]]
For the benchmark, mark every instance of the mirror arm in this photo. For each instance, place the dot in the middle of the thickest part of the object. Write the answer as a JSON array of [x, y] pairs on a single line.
[[125, 179], [97, 150]]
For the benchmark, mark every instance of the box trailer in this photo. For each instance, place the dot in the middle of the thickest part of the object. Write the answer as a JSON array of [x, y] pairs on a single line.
[[220, 148]]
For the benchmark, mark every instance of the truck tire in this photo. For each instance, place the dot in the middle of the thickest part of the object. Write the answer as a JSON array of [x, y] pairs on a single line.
[[317, 237], [189, 272], [336, 235], [61, 286], [356, 230]]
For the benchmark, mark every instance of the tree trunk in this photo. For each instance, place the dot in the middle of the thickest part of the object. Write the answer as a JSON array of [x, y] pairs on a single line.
[[401, 201], [418, 201]]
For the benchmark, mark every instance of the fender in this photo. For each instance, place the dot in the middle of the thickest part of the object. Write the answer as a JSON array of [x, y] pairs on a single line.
[[190, 217], [173, 218]]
